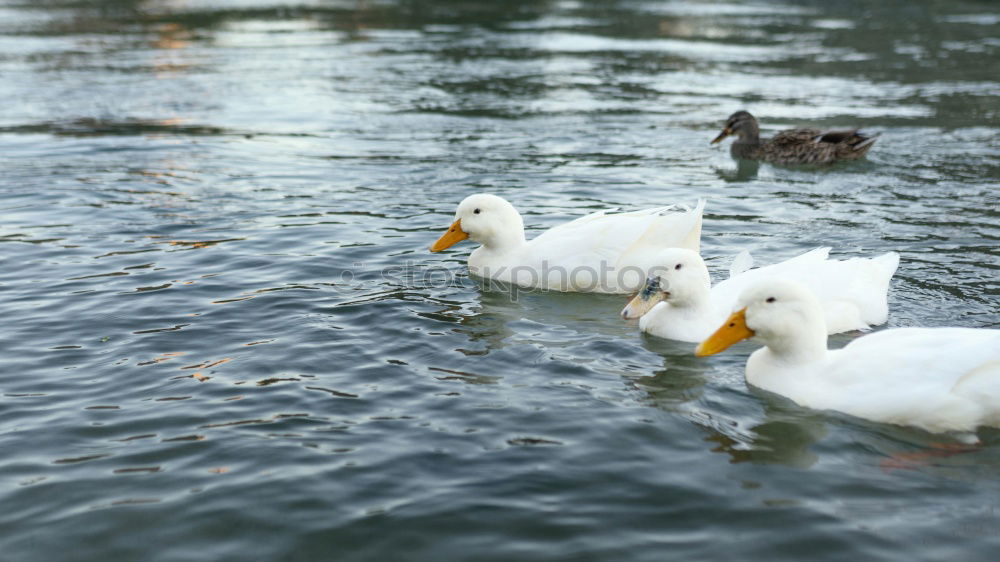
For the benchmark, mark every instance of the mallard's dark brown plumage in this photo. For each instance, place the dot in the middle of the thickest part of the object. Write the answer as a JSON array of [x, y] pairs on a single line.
[[795, 146]]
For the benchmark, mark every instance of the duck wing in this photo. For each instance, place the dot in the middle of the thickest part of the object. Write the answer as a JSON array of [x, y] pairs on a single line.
[[853, 292], [794, 137], [937, 378], [611, 242], [850, 145], [726, 293], [815, 146]]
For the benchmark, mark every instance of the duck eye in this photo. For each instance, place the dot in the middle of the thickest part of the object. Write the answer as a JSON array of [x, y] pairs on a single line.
[[770, 299], [678, 266], [476, 212]]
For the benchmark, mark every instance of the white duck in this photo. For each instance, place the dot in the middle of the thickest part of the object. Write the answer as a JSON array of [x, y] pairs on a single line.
[[938, 379], [678, 301], [600, 252]]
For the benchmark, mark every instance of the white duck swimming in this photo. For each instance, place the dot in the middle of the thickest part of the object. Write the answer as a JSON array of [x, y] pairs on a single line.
[[678, 301], [600, 252], [938, 379]]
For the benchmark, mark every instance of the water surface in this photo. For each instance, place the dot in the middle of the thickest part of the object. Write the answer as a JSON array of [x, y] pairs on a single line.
[[225, 338]]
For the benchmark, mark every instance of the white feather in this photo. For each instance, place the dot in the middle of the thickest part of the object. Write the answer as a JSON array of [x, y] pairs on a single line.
[[742, 262]]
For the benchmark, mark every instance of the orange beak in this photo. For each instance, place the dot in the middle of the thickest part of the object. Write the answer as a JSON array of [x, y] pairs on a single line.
[[454, 235], [734, 330], [725, 133]]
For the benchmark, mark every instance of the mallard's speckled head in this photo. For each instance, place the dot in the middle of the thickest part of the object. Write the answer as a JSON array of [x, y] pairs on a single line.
[[741, 124]]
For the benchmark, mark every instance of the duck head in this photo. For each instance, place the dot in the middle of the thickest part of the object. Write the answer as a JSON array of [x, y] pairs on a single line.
[[680, 278], [783, 315], [741, 124], [483, 218]]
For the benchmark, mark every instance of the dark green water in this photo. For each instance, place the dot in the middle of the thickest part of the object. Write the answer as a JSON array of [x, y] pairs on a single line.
[[221, 340]]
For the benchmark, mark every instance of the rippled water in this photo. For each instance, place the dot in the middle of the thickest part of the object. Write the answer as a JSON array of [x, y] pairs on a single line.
[[225, 337]]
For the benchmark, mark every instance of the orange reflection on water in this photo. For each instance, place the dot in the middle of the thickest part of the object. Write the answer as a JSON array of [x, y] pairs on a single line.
[[201, 243], [208, 364], [172, 35], [198, 376], [163, 357]]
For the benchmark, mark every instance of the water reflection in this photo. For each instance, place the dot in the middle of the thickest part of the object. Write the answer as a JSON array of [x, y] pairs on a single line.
[[561, 316], [786, 436], [782, 436], [745, 171]]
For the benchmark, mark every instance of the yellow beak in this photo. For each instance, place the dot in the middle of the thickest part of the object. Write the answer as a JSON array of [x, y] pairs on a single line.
[[454, 235], [725, 133], [734, 330]]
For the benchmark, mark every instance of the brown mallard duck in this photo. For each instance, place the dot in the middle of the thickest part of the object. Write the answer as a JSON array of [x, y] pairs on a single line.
[[794, 146]]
